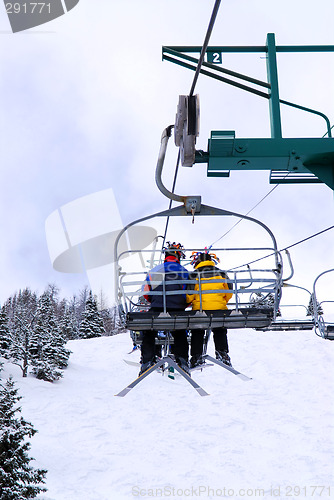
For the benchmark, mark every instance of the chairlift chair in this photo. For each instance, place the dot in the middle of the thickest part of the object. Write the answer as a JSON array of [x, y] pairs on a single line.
[[297, 323], [322, 327], [241, 312]]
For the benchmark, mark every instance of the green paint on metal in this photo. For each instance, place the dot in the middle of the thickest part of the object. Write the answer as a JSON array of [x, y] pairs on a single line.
[[296, 155], [289, 159], [274, 104], [249, 49]]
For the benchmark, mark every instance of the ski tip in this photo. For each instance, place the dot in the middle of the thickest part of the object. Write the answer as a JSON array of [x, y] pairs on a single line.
[[202, 392], [122, 393], [244, 377]]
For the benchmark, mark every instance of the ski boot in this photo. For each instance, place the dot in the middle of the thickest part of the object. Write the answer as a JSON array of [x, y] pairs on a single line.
[[183, 364], [224, 357], [145, 366], [196, 360]]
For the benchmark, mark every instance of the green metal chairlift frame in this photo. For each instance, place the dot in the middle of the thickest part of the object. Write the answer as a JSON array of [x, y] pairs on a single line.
[[290, 160]]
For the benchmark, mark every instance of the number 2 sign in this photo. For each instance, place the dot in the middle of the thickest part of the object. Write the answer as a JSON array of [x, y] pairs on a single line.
[[215, 57]]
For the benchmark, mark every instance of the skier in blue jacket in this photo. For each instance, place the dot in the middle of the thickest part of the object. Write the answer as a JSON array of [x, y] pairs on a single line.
[[159, 278]]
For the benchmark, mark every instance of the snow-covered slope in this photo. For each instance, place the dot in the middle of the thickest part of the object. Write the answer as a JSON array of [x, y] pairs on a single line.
[[271, 437]]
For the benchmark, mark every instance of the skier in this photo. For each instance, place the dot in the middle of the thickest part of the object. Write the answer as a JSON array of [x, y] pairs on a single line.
[[205, 269], [159, 278]]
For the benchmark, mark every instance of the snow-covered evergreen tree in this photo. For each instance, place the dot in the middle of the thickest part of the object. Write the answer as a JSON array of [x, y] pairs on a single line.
[[108, 319], [35, 333], [18, 480], [259, 300], [92, 323], [80, 304], [5, 339], [68, 322], [46, 349], [21, 311]]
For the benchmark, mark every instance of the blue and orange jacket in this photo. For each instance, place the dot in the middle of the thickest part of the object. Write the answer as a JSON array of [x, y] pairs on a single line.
[[169, 272], [206, 273]]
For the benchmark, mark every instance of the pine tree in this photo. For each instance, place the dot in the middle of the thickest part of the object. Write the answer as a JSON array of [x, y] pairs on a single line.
[[5, 339], [108, 321], [46, 349], [91, 324], [21, 311], [260, 301], [68, 323], [35, 335], [18, 480]]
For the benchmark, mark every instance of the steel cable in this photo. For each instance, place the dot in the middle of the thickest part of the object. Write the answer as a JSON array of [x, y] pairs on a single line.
[[197, 72]]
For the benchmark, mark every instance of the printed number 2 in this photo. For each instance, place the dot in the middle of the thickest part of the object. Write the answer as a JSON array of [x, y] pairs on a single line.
[[215, 57]]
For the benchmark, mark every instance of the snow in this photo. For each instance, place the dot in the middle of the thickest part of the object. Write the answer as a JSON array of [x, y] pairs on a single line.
[[271, 437]]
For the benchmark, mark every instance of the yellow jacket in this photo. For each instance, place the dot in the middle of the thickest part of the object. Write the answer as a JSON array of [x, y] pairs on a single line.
[[207, 272]]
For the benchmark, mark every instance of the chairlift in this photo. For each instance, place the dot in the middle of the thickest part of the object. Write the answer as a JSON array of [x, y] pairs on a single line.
[[245, 281], [316, 321], [242, 312], [224, 152], [323, 328], [299, 322]]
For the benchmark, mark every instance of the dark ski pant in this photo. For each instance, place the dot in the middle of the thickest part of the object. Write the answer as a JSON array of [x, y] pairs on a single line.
[[148, 348], [219, 338]]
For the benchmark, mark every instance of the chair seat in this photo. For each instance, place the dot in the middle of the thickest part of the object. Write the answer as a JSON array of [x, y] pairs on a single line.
[[187, 320], [288, 326]]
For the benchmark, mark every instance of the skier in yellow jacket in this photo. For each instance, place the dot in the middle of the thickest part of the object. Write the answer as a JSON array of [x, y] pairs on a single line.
[[209, 277]]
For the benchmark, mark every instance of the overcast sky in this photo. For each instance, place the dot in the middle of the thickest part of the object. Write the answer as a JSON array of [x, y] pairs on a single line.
[[85, 98]]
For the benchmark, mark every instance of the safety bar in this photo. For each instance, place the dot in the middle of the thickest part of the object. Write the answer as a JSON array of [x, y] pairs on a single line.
[[268, 285]]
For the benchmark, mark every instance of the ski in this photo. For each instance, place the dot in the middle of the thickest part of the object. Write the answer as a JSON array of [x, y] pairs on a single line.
[[138, 379], [204, 365], [138, 365], [135, 348], [132, 363], [170, 368], [201, 367], [171, 363], [229, 368], [192, 382]]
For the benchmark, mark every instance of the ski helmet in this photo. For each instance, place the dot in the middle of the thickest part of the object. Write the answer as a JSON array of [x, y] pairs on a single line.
[[174, 250], [198, 257]]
